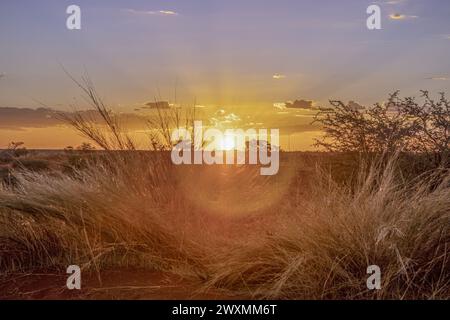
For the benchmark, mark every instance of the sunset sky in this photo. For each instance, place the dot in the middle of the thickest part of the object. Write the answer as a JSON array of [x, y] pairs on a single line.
[[236, 59]]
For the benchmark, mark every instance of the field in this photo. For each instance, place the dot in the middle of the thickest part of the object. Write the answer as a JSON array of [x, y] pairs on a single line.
[[140, 227]]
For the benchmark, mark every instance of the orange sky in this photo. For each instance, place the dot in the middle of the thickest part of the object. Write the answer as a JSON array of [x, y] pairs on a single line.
[[247, 58]]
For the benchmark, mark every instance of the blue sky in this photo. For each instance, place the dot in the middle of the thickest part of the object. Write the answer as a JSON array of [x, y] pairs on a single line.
[[222, 52]]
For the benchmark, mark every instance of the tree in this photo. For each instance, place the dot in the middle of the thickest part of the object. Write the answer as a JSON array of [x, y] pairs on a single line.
[[86, 146], [432, 120], [399, 124], [377, 129], [17, 149]]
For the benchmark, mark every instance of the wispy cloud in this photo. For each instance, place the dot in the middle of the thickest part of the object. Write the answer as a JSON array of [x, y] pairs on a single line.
[[168, 12], [393, 2], [438, 78], [399, 16], [2, 75], [278, 76], [221, 117], [153, 13]]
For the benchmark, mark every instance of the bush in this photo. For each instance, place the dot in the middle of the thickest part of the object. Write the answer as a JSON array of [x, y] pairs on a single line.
[[400, 124]]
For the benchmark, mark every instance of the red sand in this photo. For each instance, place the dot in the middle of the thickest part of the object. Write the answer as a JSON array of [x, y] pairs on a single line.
[[121, 284]]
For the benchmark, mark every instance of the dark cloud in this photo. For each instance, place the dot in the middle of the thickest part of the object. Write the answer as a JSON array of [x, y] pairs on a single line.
[[300, 104], [157, 104], [16, 118], [20, 118]]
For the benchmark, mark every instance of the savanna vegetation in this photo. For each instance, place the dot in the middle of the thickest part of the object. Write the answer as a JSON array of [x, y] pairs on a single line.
[[380, 196]]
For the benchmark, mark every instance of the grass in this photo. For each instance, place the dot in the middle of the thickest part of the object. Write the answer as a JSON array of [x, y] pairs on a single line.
[[331, 236], [309, 232], [314, 240]]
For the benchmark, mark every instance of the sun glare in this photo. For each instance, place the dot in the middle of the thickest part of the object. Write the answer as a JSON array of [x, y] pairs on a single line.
[[227, 143]]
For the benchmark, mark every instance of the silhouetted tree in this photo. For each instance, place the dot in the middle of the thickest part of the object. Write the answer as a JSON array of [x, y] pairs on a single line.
[[432, 122], [86, 146], [380, 128], [397, 124], [17, 149]]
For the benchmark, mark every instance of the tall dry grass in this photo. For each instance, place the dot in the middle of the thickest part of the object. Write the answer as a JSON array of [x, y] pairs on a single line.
[[127, 208], [126, 212], [330, 237], [115, 213]]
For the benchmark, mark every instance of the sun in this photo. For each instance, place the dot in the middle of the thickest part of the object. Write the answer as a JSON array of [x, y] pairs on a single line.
[[227, 143]]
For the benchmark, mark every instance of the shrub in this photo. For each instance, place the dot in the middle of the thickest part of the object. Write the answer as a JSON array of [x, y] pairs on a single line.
[[398, 124]]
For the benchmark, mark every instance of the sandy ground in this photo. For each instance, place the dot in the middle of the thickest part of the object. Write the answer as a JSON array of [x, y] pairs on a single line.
[[121, 284]]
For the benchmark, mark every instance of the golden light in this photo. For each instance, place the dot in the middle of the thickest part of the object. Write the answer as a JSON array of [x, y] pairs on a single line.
[[227, 143]]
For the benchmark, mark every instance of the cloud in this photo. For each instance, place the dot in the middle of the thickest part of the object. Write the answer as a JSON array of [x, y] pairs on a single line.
[[17, 118], [221, 117], [278, 76], [168, 12], [279, 105], [438, 78], [394, 2], [232, 117], [300, 104], [153, 13], [2, 75], [399, 16], [157, 105], [20, 118], [391, 2], [302, 116], [297, 104]]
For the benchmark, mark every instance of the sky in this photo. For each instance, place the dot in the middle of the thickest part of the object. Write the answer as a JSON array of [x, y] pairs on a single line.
[[235, 58]]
